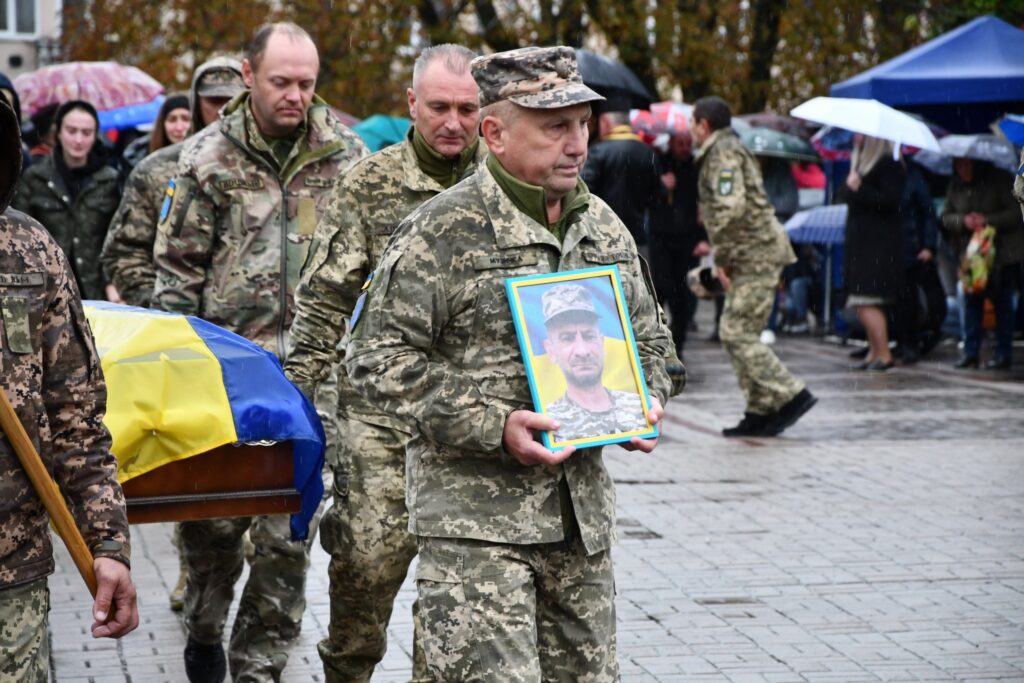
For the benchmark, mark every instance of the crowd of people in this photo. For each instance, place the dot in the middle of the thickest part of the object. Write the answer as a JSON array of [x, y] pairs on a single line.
[[378, 281]]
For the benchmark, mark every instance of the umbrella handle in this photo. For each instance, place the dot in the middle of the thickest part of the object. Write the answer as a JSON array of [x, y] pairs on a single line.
[[50, 494]]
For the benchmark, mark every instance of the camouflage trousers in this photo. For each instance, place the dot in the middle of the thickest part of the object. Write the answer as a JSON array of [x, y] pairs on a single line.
[[366, 533], [765, 382], [24, 644], [522, 613]]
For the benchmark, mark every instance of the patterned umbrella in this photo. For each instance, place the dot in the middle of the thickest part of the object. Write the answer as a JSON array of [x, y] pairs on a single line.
[[663, 117], [105, 85]]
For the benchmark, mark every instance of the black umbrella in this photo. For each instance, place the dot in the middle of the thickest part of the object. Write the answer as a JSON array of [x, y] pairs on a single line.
[[613, 79]]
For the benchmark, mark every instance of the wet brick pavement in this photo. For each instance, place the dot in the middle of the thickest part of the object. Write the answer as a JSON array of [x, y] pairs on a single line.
[[879, 539]]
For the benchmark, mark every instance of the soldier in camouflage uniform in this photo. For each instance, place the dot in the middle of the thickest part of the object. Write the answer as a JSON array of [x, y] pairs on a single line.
[[52, 375], [514, 575], [128, 249], [575, 343], [74, 193], [751, 249], [127, 254], [366, 529], [232, 239]]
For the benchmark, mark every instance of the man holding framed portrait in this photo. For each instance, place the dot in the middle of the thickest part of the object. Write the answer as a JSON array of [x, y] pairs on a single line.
[[515, 576]]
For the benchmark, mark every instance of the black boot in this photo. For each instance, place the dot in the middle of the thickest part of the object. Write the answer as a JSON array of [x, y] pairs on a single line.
[[205, 663], [751, 425]]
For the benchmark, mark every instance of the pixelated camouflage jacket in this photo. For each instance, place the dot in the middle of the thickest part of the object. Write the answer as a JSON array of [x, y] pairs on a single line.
[[364, 210], [79, 225], [128, 249], [52, 375], [739, 219], [576, 422], [234, 231], [437, 346]]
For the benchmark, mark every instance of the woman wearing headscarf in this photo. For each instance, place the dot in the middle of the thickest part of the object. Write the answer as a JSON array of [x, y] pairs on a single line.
[[874, 242], [73, 193]]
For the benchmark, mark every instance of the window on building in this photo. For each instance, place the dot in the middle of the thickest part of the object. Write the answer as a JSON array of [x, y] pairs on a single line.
[[18, 17]]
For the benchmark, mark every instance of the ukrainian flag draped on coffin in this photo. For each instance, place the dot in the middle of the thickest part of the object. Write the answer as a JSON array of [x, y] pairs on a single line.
[[178, 386]]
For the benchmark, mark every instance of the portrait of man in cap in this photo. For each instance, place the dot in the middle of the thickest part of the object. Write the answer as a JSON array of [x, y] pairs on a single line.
[[576, 344]]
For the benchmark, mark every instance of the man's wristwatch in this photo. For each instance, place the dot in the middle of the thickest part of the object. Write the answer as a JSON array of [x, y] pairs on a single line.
[[115, 550]]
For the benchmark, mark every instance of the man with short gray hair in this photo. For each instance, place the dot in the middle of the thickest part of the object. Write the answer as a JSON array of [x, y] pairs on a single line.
[[366, 530], [514, 577]]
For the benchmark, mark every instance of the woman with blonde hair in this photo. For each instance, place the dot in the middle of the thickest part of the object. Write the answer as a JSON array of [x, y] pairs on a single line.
[[873, 250]]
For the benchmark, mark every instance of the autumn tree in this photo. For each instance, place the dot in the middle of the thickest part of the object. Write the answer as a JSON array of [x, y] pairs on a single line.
[[758, 54]]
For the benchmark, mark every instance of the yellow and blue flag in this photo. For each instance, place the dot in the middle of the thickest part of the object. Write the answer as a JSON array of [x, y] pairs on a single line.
[[178, 386]]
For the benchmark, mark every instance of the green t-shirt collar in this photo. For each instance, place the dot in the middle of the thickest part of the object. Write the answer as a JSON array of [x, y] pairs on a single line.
[[445, 171], [530, 199]]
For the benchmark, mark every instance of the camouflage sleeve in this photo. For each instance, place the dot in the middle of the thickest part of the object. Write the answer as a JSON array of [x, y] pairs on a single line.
[[653, 338], [328, 291], [128, 248], [75, 398], [390, 356], [184, 244], [723, 203]]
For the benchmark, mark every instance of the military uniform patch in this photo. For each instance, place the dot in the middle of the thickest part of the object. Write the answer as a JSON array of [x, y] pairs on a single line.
[[165, 208], [357, 310], [725, 183]]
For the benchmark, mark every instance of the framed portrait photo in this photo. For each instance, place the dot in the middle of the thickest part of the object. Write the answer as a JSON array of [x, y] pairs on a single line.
[[580, 356]]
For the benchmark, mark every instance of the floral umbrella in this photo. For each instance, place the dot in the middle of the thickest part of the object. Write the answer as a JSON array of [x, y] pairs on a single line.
[[105, 85]]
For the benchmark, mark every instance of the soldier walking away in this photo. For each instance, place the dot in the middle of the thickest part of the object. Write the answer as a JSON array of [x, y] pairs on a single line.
[[366, 530], [231, 242], [514, 575], [751, 249], [52, 375]]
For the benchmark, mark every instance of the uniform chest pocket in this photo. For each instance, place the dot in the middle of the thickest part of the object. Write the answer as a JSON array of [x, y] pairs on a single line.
[[623, 259], [17, 328]]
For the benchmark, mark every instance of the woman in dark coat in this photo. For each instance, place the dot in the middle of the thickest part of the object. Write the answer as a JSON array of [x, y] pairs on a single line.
[[73, 193], [874, 242]]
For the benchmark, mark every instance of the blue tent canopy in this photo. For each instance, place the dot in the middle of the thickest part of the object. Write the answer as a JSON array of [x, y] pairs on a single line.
[[963, 80]]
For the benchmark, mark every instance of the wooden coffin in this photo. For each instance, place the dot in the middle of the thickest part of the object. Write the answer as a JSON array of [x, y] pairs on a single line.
[[229, 481]]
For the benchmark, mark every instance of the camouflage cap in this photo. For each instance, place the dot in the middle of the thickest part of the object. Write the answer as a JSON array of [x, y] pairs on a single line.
[[565, 299], [532, 77], [220, 82]]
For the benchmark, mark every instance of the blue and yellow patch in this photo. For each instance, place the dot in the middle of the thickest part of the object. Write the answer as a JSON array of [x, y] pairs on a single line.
[[360, 303], [165, 208]]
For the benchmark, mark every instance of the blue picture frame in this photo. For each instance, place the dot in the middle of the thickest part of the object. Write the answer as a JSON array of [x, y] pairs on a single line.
[[622, 374]]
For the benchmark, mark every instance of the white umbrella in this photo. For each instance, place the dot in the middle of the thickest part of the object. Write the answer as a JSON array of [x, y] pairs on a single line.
[[869, 117]]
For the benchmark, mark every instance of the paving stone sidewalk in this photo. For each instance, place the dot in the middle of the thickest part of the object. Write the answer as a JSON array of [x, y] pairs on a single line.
[[879, 539]]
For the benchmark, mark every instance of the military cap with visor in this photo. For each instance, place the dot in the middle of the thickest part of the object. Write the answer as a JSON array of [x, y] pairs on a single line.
[[567, 298], [220, 82], [532, 77]]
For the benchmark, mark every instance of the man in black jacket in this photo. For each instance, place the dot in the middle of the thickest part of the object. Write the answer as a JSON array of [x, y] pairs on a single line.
[[622, 170], [678, 239]]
